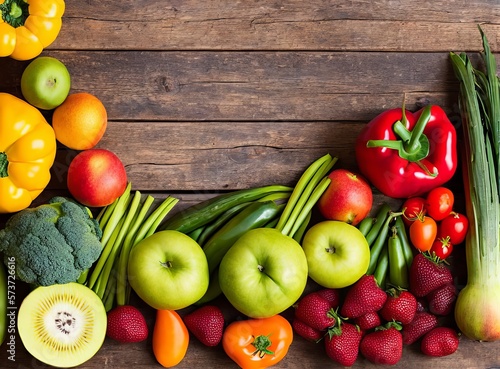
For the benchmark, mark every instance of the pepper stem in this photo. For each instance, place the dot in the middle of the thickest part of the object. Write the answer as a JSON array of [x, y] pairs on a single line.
[[4, 164], [412, 145], [262, 344], [15, 12]]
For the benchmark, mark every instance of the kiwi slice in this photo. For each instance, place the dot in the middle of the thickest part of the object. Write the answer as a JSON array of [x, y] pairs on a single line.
[[62, 325]]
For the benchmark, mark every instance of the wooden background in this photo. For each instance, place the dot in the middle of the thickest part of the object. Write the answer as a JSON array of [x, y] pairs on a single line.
[[204, 97]]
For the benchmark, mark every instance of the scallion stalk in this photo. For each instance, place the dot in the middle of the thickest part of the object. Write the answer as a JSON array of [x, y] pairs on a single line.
[[309, 188], [476, 311]]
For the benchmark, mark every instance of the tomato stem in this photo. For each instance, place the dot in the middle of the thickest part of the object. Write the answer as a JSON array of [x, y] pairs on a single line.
[[261, 344], [4, 164]]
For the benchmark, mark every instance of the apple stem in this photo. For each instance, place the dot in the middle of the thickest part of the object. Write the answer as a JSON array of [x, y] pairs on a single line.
[[166, 264]]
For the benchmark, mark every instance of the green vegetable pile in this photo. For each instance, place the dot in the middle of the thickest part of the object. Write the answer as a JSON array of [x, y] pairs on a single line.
[[217, 223], [52, 243], [390, 250], [128, 220]]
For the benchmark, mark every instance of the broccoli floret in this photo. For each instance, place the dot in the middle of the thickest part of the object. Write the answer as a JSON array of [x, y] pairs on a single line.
[[52, 243]]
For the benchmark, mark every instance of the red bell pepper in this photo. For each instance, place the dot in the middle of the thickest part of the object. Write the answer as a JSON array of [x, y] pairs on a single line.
[[404, 156]]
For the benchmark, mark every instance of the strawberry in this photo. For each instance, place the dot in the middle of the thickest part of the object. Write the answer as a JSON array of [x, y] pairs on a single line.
[[400, 306], [368, 321], [342, 343], [383, 346], [314, 310], [126, 324], [332, 295], [427, 274], [442, 300], [206, 324], [306, 332], [422, 323], [363, 297], [440, 341]]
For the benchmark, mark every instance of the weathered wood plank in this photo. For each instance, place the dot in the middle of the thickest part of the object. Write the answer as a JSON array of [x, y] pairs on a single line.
[[291, 25], [254, 86], [206, 97], [211, 156]]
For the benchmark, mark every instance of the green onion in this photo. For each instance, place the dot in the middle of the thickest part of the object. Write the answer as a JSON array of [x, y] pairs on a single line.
[[309, 188], [476, 311]]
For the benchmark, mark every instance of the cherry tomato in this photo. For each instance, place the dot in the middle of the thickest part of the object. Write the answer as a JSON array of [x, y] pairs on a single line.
[[413, 208], [439, 203], [423, 232], [455, 227], [441, 248]]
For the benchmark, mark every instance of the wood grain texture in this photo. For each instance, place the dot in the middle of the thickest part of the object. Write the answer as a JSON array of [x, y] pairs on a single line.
[[205, 97], [278, 25], [256, 86]]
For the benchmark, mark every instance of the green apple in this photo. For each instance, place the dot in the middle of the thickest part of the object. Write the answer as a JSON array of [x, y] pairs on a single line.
[[45, 83], [168, 270], [337, 253], [263, 273]]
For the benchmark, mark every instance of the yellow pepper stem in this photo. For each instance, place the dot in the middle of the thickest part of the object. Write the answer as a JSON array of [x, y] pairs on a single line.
[[15, 12], [4, 163]]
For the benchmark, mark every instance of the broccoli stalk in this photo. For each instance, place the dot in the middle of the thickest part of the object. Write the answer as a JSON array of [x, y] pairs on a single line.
[[53, 243]]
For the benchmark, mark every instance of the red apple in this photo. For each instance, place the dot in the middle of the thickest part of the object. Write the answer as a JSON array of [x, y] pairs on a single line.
[[348, 198], [96, 177]]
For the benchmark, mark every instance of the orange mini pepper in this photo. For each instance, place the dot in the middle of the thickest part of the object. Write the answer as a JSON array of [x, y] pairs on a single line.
[[170, 338], [258, 343]]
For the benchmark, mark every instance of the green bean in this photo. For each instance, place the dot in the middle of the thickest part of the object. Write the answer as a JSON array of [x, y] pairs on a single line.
[[299, 234], [382, 215], [366, 225], [206, 211], [214, 226], [303, 192], [378, 244], [195, 235], [254, 216], [380, 273], [311, 201], [405, 242], [398, 271]]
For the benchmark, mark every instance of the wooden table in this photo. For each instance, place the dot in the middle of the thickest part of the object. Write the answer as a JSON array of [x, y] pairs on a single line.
[[213, 96]]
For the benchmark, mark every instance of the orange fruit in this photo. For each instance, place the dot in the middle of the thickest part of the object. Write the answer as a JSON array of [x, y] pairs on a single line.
[[80, 121]]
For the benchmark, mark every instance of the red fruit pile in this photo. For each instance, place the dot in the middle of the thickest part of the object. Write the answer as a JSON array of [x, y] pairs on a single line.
[[315, 313], [364, 319], [433, 225]]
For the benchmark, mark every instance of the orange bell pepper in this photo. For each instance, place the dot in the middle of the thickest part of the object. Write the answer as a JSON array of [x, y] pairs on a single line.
[[27, 152], [29, 26], [258, 343]]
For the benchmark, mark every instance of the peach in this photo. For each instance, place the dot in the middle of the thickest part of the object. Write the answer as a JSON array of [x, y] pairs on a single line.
[[96, 177]]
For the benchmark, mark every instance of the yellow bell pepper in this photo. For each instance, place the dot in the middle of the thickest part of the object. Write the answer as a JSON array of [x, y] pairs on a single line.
[[27, 152], [29, 26]]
